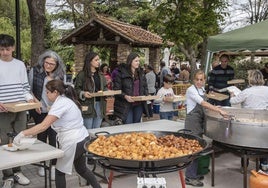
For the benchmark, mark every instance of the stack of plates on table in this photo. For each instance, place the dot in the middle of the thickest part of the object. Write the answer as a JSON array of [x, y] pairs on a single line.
[[25, 144]]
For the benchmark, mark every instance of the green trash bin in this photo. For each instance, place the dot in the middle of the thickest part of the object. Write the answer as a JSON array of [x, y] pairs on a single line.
[[203, 165]]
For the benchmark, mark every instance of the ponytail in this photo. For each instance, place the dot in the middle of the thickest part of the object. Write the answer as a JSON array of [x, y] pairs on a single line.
[[65, 89], [71, 94]]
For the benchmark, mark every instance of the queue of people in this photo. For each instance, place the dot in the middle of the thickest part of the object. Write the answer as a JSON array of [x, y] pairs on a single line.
[[68, 111]]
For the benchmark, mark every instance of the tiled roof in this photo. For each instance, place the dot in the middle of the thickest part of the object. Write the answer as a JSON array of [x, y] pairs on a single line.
[[131, 33]]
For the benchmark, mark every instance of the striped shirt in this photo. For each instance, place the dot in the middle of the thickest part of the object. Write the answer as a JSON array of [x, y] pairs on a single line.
[[14, 86], [219, 77]]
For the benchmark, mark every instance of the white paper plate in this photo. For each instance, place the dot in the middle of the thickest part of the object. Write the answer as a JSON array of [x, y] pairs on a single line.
[[25, 144], [13, 148]]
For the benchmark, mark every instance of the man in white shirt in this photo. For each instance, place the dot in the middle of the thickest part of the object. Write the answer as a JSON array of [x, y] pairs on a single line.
[[14, 87]]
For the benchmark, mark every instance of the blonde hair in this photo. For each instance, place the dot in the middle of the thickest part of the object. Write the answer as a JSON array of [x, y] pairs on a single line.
[[199, 72], [255, 78]]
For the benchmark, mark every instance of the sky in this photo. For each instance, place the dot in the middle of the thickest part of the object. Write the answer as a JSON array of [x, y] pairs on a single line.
[[51, 7], [237, 18]]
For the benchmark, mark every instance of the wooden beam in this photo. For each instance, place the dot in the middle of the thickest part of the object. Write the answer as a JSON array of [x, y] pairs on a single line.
[[100, 42]]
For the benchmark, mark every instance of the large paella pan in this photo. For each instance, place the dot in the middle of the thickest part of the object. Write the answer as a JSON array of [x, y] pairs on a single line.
[[149, 162]]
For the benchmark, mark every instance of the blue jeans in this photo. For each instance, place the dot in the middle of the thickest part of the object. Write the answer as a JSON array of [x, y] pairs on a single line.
[[134, 114], [166, 115], [191, 170], [92, 123]]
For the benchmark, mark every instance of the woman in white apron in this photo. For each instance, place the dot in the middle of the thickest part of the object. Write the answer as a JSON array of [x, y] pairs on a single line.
[[66, 119], [195, 120]]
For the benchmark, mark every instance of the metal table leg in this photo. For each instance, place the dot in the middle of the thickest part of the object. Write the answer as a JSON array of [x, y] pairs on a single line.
[[245, 167], [213, 168], [110, 179], [182, 178]]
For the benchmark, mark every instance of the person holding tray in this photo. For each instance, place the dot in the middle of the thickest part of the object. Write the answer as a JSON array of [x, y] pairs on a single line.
[[131, 80], [166, 95], [49, 67], [91, 80], [14, 87], [66, 119], [218, 79]]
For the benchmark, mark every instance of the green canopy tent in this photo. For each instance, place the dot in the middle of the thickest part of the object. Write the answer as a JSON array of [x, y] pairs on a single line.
[[251, 38]]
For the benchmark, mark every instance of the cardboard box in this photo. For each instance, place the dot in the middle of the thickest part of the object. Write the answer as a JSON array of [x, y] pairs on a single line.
[[236, 81], [21, 106], [106, 93], [177, 98], [217, 96], [145, 98]]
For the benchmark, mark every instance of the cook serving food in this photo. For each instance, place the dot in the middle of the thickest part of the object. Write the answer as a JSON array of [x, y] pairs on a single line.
[[66, 119], [195, 119]]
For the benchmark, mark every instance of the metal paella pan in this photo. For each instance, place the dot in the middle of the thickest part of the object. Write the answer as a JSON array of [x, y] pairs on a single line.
[[247, 128], [150, 164]]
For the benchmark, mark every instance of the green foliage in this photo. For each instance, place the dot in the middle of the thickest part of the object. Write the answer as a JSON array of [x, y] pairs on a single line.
[[7, 9], [134, 12], [187, 23], [8, 25], [241, 68], [25, 44]]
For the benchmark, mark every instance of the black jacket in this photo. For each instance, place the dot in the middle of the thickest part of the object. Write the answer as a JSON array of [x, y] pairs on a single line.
[[124, 82]]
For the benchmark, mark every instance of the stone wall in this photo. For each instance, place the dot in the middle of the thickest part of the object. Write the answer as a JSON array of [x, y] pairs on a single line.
[[80, 51], [123, 50], [154, 58]]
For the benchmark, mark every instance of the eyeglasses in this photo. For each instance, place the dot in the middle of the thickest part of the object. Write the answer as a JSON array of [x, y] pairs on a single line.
[[50, 64]]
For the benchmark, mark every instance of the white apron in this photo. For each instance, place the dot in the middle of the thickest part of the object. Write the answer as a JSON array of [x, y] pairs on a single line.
[[67, 142]]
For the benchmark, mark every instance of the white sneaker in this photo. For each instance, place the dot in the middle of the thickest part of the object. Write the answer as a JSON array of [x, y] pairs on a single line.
[[53, 169], [21, 179], [41, 171], [8, 183]]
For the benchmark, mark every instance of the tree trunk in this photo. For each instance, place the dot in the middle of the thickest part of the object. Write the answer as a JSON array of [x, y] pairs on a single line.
[[204, 53], [190, 54], [38, 21]]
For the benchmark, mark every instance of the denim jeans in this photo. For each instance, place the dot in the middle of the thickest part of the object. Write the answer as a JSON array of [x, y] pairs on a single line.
[[191, 170], [92, 123], [134, 114], [166, 115]]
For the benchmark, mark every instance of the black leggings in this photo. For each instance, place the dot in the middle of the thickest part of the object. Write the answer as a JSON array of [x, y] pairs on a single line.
[[80, 167]]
